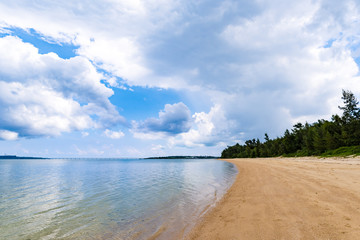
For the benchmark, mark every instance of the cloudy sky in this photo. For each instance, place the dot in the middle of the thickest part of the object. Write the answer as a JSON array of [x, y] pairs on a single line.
[[120, 78]]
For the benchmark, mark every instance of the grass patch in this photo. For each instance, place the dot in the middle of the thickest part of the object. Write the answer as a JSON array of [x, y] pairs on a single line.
[[342, 152]]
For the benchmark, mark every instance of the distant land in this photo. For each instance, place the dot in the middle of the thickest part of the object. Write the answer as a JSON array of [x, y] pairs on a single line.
[[16, 157], [182, 157]]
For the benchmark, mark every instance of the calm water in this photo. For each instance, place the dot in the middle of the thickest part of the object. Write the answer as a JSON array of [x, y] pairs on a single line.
[[107, 199]]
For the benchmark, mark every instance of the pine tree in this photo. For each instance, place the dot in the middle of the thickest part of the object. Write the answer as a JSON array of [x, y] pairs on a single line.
[[350, 110]]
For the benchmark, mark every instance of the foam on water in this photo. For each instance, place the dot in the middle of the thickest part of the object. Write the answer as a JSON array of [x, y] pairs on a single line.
[[107, 199]]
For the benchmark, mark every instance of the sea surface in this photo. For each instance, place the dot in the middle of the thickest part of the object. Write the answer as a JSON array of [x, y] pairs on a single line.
[[108, 198]]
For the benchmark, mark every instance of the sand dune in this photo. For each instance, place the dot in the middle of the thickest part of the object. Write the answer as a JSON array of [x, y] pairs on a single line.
[[280, 198]]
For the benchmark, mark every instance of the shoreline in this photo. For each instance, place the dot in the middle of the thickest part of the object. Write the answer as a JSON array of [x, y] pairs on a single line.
[[287, 198]]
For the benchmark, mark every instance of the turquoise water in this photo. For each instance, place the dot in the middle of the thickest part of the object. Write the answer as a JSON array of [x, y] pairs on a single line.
[[107, 199]]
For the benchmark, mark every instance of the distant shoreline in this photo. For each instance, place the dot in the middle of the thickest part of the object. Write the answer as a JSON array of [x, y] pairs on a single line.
[[17, 157], [183, 157]]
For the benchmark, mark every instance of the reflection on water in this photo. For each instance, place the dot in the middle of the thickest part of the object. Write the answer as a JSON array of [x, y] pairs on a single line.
[[107, 199]]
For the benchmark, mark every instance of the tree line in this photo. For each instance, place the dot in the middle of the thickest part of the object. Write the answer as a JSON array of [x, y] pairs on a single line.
[[307, 139]]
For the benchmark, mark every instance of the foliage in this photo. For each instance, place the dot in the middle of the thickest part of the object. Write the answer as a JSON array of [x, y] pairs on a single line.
[[343, 152], [338, 137]]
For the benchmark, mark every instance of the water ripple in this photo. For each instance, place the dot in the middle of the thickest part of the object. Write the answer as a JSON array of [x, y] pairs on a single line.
[[106, 199]]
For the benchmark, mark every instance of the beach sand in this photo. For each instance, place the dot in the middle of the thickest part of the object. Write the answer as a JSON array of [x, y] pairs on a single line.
[[287, 198]]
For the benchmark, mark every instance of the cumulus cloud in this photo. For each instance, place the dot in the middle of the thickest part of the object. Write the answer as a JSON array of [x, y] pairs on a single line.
[[292, 61], [107, 32], [113, 134], [174, 119], [208, 129], [8, 135], [260, 65], [292, 70], [44, 95]]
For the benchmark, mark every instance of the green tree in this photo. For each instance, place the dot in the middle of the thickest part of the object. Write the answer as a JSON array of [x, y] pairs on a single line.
[[308, 139], [298, 132], [266, 137], [319, 137], [350, 110]]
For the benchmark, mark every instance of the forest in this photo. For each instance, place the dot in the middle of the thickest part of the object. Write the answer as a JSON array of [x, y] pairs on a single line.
[[338, 137]]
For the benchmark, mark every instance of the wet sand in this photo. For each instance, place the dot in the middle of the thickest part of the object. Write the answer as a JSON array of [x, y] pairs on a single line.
[[287, 198]]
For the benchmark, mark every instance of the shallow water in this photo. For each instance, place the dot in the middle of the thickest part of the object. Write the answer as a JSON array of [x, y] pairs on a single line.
[[107, 198]]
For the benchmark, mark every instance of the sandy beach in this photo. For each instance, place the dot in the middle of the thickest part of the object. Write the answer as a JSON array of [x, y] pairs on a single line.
[[287, 198]]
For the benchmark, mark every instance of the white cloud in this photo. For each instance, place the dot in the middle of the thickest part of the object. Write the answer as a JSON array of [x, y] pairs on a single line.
[[109, 33], [208, 129], [36, 111], [120, 56], [84, 134], [114, 134], [8, 135], [260, 65], [285, 73], [44, 95], [174, 119], [156, 148], [276, 30]]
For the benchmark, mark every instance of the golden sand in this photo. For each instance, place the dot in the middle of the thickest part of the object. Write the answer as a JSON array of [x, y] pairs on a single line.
[[287, 198]]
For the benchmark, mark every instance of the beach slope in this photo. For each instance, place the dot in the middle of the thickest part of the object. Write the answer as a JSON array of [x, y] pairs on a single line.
[[280, 198]]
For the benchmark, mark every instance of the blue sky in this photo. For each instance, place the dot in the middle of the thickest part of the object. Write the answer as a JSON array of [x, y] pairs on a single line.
[[148, 78]]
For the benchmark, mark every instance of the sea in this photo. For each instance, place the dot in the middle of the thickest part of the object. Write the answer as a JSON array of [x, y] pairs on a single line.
[[108, 198]]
